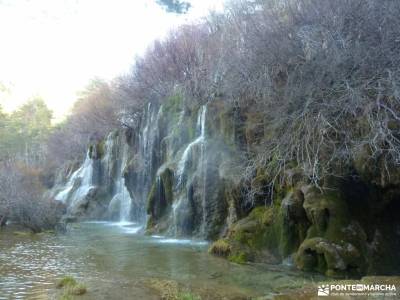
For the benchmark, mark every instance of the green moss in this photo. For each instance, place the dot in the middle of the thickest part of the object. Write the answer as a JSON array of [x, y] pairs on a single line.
[[151, 199], [167, 177], [66, 296], [260, 229], [263, 214], [239, 257], [160, 197], [91, 151], [335, 244], [66, 281], [173, 103], [23, 233], [335, 259], [220, 248], [100, 148], [96, 151], [328, 213], [271, 232], [71, 287], [249, 237], [188, 296], [191, 131]]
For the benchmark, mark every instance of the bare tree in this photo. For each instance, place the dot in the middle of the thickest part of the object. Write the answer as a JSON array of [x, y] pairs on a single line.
[[22, 198]]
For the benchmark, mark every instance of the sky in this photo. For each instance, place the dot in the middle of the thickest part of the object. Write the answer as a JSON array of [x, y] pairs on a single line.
[[53, 48]]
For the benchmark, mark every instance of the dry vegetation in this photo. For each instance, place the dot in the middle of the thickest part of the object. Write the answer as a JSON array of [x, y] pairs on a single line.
[[22, 201], [318, 80]]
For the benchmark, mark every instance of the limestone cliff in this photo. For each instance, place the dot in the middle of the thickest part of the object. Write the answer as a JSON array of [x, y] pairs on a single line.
[[181, 170]]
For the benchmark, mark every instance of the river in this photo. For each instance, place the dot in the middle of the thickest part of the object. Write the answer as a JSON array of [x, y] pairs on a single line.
[[115, 261]]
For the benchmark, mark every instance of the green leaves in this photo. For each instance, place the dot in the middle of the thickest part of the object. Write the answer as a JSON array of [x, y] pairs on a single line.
[[23, 132], [175, 6]]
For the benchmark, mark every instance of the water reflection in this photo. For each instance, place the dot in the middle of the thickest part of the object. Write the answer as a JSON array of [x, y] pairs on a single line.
[[109, 255]]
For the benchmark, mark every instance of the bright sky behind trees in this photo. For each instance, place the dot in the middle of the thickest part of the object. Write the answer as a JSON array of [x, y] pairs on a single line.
[[53, 48]]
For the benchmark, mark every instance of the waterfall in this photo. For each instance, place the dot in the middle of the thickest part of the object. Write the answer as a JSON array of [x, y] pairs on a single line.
[[145, 145], [107, 160], [83, 177], [200, 128], [122, 196], [147, 149], [115, 161], [180, 207], [175, 210]]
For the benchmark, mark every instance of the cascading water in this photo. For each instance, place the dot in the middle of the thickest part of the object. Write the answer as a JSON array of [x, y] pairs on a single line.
[[106, 173], [180, 206], [85, 177], [200, 128], [122, 196], [147, 146], [175, 210]]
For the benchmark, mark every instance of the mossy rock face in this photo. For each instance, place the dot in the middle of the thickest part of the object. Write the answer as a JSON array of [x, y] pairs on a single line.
[[250, 239], [100, 149], [269, 233], [159, 202], [97, 150], [167, 178], [260, 184], [312, 225], [335, 244], [157, 227], [250, 231], [161, 195], [293, 177], [294, 222], [335, 259], [327, 212]]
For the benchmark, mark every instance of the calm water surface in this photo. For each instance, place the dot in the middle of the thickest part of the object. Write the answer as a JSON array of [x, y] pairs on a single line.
[[115, 262]]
